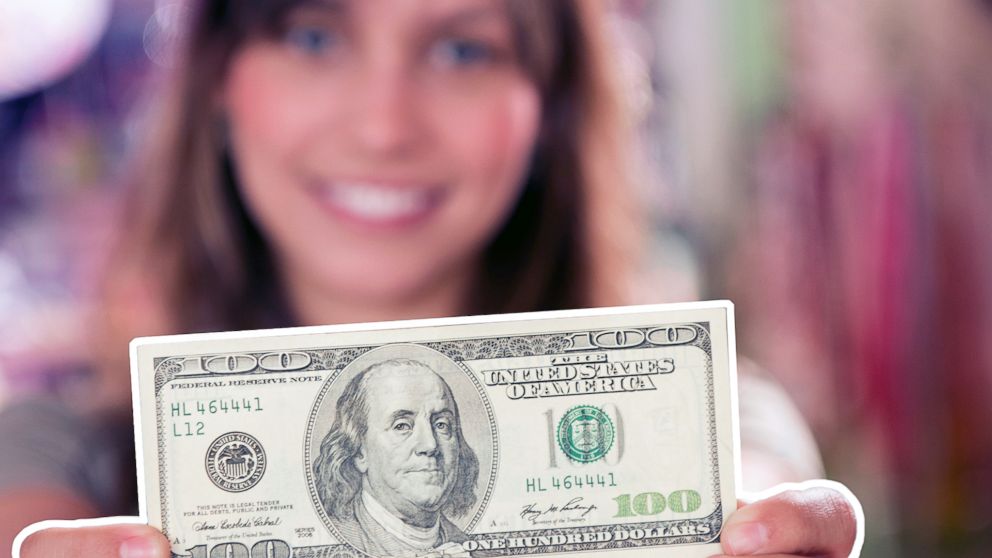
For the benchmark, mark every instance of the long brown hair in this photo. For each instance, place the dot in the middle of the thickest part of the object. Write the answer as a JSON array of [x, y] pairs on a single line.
[[192, 260]]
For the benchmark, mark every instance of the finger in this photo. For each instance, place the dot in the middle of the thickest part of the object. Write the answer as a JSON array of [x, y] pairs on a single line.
[[816, 521], [107, 541]]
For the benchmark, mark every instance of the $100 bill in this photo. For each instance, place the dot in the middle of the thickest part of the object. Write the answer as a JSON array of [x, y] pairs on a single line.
[[581, 433]]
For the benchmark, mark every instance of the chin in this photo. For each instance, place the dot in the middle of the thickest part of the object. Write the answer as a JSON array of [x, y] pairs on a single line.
[[430, 502], [383, 283]]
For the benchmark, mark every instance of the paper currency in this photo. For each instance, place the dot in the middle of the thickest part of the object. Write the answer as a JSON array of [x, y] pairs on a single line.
[[563, 433]]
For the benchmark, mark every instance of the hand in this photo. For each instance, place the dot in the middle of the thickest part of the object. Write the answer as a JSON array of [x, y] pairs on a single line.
[[817, 518], [99, 538]]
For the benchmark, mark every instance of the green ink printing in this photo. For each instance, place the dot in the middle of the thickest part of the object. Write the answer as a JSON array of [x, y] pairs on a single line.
[[585, 434]]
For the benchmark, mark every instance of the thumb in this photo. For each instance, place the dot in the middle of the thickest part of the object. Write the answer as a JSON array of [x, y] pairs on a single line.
[[818, 518], [120, 537]]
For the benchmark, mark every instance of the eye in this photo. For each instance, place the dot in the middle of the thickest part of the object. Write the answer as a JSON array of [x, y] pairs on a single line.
[[443, 426], [461, 52], [309, 39], [402, 426]]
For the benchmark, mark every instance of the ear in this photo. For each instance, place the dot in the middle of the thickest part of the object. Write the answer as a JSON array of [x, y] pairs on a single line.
[[361, 463]]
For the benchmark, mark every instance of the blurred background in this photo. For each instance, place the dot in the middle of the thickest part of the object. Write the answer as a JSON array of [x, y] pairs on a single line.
[[826, 165]]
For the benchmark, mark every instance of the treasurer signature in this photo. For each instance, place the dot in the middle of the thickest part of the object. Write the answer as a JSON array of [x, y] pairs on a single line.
[[240, 523]]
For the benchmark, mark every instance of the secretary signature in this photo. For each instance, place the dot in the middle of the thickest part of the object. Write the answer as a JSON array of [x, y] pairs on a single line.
[[575, 507]]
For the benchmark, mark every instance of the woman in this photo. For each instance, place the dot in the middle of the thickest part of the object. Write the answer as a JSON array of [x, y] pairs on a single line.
[[359, 160]]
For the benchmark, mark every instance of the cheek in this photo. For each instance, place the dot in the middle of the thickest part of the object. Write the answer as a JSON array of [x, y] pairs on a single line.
[[512, 130], [268, 95], [450, 446], [494, 141], [271, 123], [268, 122], [384, 454]]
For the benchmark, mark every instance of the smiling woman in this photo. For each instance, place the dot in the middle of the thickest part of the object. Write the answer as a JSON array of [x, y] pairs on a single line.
[[358, 160]]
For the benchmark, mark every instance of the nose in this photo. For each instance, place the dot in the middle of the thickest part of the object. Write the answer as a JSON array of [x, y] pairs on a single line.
[[425, 442], [386, 120]]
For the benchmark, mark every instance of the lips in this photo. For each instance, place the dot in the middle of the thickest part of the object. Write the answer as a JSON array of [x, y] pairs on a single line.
[[377, 204], [429, 475]]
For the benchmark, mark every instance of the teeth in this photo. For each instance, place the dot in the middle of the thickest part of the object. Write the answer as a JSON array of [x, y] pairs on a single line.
[[375, 202]]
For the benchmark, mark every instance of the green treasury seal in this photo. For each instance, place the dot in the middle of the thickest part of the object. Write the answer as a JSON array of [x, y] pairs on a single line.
[[585, 434]]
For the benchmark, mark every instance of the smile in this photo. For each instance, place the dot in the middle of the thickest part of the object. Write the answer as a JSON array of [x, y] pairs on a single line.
[[376, 204]]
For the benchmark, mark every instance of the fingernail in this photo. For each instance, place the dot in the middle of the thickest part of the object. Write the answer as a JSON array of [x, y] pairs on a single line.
[[746, 538], [138, 547]]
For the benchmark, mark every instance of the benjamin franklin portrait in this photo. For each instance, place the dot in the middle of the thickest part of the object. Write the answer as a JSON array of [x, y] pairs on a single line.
[[395, 472]]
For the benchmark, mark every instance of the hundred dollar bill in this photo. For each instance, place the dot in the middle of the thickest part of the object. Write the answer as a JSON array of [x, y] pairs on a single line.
[[580, 433]]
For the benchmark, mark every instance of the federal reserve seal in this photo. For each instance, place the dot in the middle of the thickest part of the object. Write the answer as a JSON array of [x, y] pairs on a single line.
[[235, 462], [585, 433]]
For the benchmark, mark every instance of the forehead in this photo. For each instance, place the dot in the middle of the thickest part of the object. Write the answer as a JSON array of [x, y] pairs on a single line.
[[406, 388], [418, 9]]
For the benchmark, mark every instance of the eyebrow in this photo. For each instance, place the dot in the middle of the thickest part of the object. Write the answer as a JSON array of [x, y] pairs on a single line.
[[442, 413], [336, 6], [401, 414], [468, 16]]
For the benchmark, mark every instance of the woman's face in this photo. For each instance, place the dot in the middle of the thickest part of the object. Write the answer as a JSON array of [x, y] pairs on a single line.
[[380, 144]]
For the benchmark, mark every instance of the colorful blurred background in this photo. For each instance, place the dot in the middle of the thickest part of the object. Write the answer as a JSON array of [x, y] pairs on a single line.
[[826, 165]]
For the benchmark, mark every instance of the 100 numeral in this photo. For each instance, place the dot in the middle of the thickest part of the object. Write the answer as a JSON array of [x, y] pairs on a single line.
[[653, 503], [262, 549]]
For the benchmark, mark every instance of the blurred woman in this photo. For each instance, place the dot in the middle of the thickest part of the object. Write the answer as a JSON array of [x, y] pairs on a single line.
[[360, 160]]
